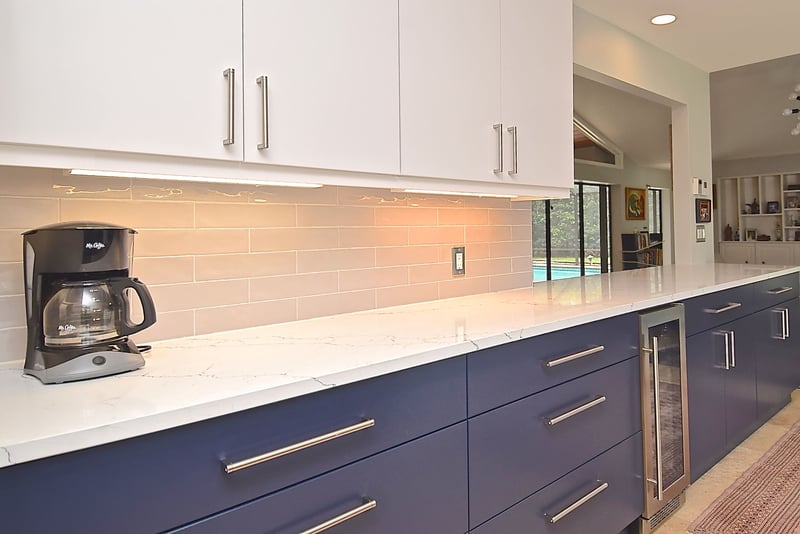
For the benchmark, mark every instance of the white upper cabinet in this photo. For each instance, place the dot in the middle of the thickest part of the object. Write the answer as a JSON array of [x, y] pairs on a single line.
[[331, 83], [536, 40], [135, 76], [486, 91], [449, 88]]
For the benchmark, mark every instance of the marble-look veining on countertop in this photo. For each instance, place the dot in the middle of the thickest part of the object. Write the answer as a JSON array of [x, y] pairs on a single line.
[[191, 379]]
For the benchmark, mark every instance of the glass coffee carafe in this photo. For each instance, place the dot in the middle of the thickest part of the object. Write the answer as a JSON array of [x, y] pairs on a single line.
[[85, 312]]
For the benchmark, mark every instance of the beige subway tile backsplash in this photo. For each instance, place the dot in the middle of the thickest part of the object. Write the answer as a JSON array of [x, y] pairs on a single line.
[[226, 256]]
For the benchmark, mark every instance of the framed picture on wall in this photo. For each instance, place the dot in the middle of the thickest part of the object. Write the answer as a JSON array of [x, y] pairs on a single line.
[[634, 204], [702, 210]]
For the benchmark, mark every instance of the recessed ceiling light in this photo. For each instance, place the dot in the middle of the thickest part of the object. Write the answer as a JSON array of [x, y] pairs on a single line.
[[661, 20]]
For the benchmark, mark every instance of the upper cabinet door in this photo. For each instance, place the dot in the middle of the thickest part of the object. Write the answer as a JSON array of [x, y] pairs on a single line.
[[450, 88], [330, 82], [536, 42], [135, 76]]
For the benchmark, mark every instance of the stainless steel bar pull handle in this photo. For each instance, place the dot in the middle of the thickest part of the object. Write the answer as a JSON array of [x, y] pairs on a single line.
[[513, 131], [574, 356], [786, 322], [230, 74], [727, 351], [733, 348], [499, 129], [263, 82], [730, 306], [580, 502], [657, 422], [283, 451], [322, 527], [600, 399], [779, 290]]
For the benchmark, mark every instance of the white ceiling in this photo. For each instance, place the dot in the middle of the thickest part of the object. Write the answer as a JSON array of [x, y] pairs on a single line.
[[737, 41], [710, 34]]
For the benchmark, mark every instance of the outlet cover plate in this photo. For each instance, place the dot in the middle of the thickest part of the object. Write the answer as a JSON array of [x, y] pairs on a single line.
[[458, 261]]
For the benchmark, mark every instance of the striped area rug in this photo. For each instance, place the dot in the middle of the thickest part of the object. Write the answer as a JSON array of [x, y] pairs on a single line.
[[765, 499]]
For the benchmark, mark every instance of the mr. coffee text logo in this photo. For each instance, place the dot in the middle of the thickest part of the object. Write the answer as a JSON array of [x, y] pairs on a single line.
[[96, 245]]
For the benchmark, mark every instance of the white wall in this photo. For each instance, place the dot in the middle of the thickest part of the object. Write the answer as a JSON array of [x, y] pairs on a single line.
[[608, 54], [755, 166]]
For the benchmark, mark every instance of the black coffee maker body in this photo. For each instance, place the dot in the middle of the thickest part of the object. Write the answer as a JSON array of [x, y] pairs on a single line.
[[77, 287]]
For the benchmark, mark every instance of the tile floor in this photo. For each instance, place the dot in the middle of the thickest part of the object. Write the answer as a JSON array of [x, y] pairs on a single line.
[[718, 478]]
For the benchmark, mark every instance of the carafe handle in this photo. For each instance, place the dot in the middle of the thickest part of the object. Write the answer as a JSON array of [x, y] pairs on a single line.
[[126, 327]]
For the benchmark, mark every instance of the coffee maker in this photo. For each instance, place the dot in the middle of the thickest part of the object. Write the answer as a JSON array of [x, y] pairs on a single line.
[[77, 287]]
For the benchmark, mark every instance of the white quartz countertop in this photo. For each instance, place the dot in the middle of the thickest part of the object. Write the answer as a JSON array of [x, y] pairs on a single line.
[[191, 379]]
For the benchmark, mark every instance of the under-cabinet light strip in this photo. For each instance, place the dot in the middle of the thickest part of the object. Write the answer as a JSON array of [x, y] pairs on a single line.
[[150, 176], [458, 193]]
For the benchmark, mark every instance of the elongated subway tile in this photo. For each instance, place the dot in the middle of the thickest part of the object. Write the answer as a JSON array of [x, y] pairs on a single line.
[[293, 285], [372, 278], [40, 182], [510, 281], [486, 234], [169, 325], [12, 311], [185, 242], [424, 200], [464, 216], [277, 239], [488, 267], [433, 235], [326, 195], [312, 261], [509, 217], [12, 344], [396, 296], [226, 266], [522, 232], [134, 214], [365, 196], [172, 190], [335, 216], [410, 216], [319, 306], [209, 320], [188, 296], [473, 250], [11, 279], [385, 256], [222, 215], [373, 237], [521, 265], [28, 213], [164, 270], [463, 286], [432, 272], [509, 249], [10, 245]]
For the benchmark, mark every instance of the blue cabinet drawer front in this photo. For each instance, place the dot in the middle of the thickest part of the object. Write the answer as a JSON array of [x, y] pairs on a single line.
[[608, 512], [503, 374], [169, 478], [417, 487], [771, 292], [514, 451], [714, 309]]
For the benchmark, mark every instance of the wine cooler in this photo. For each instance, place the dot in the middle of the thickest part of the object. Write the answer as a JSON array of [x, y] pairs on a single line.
[[665, 426]]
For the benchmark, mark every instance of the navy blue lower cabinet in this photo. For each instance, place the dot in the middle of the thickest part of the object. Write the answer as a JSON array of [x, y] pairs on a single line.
[[162, 480], [778, 356], [721, 376], [601, 497], [419, 487], [517, 449]]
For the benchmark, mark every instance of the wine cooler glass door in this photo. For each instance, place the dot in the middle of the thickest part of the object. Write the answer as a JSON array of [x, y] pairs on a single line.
[[664, 406]]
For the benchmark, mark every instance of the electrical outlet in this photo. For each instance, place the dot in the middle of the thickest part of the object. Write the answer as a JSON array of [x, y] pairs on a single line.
[[458, 261]]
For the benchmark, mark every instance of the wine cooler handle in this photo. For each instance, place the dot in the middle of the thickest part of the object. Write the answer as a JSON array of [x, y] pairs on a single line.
[[659, 470]]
